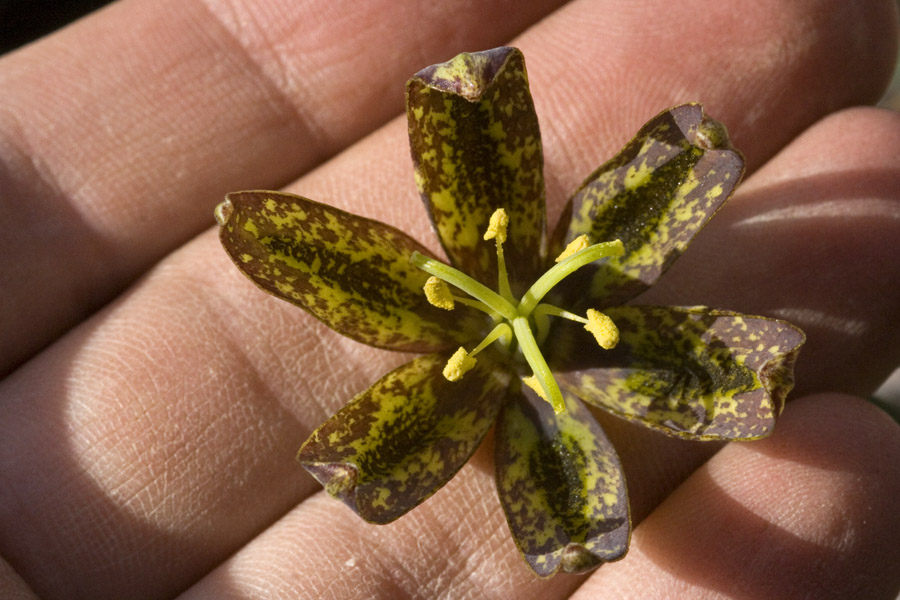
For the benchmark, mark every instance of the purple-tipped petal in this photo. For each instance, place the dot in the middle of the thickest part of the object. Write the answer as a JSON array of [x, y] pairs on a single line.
[[690, 372], [655, 195], [476, 146], [561, 486]]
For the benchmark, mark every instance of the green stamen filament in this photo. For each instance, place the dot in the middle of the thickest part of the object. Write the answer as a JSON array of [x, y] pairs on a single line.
[[501, 330], [542, 311], [478, 305], [502, 275], [462, 362], [598, 324], [549, 309], [438, 294], [496, 231], [462, 281]]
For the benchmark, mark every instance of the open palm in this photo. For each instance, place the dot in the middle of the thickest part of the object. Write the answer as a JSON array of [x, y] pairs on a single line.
[[153, 399]]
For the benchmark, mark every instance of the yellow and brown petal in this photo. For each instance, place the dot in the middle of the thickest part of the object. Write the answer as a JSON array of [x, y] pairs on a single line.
[[654, 195], [690, 372], [350, 272], [398, 442], [561, 485], [476, 147]]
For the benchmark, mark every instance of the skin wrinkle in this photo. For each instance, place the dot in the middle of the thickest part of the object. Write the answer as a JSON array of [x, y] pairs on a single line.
[[449, 578], [217, 468], [12, 587], [76, 199], [743, 91], [874, 207], [171, 451], [471, 581], [402, 574], [20, 164], [153, 180], [408, 575], [363, 547], [81, 564], [138, 62], [247, 31]]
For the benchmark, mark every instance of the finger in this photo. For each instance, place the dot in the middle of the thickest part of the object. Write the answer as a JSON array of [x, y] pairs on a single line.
[[119, 135], [828, 224], [785, 517], [11, 585], [807, 513], [196, 376], [456, 545], [757, 75]]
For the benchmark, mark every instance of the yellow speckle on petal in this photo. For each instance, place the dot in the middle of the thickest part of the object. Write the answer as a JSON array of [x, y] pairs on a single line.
[[438, 293], [605, 331], [576, 245], [458, 365], [497, 226], [532, 382]]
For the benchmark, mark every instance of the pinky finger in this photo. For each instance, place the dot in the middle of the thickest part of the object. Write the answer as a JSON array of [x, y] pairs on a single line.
[[807, 513]]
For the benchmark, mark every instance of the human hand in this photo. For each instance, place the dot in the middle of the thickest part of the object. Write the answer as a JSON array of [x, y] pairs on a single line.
[[148, 448]]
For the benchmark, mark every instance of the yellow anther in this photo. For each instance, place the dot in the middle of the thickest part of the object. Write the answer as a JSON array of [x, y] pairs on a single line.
[[497, 226], [532, 382], [437, 292], [458, 365], [605, 331], [576, 245]]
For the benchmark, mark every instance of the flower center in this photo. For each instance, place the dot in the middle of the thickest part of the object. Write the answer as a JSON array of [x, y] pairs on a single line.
[[519, 320]]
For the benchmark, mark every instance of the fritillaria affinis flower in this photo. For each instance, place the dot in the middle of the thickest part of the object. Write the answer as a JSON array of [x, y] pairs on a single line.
[[521, 328]]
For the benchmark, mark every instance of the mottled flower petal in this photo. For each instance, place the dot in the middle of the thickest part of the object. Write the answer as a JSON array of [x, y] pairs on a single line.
[[690, 372], [476, 147], [561, 485], [655, 195], [351, 272], [396, 443]]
